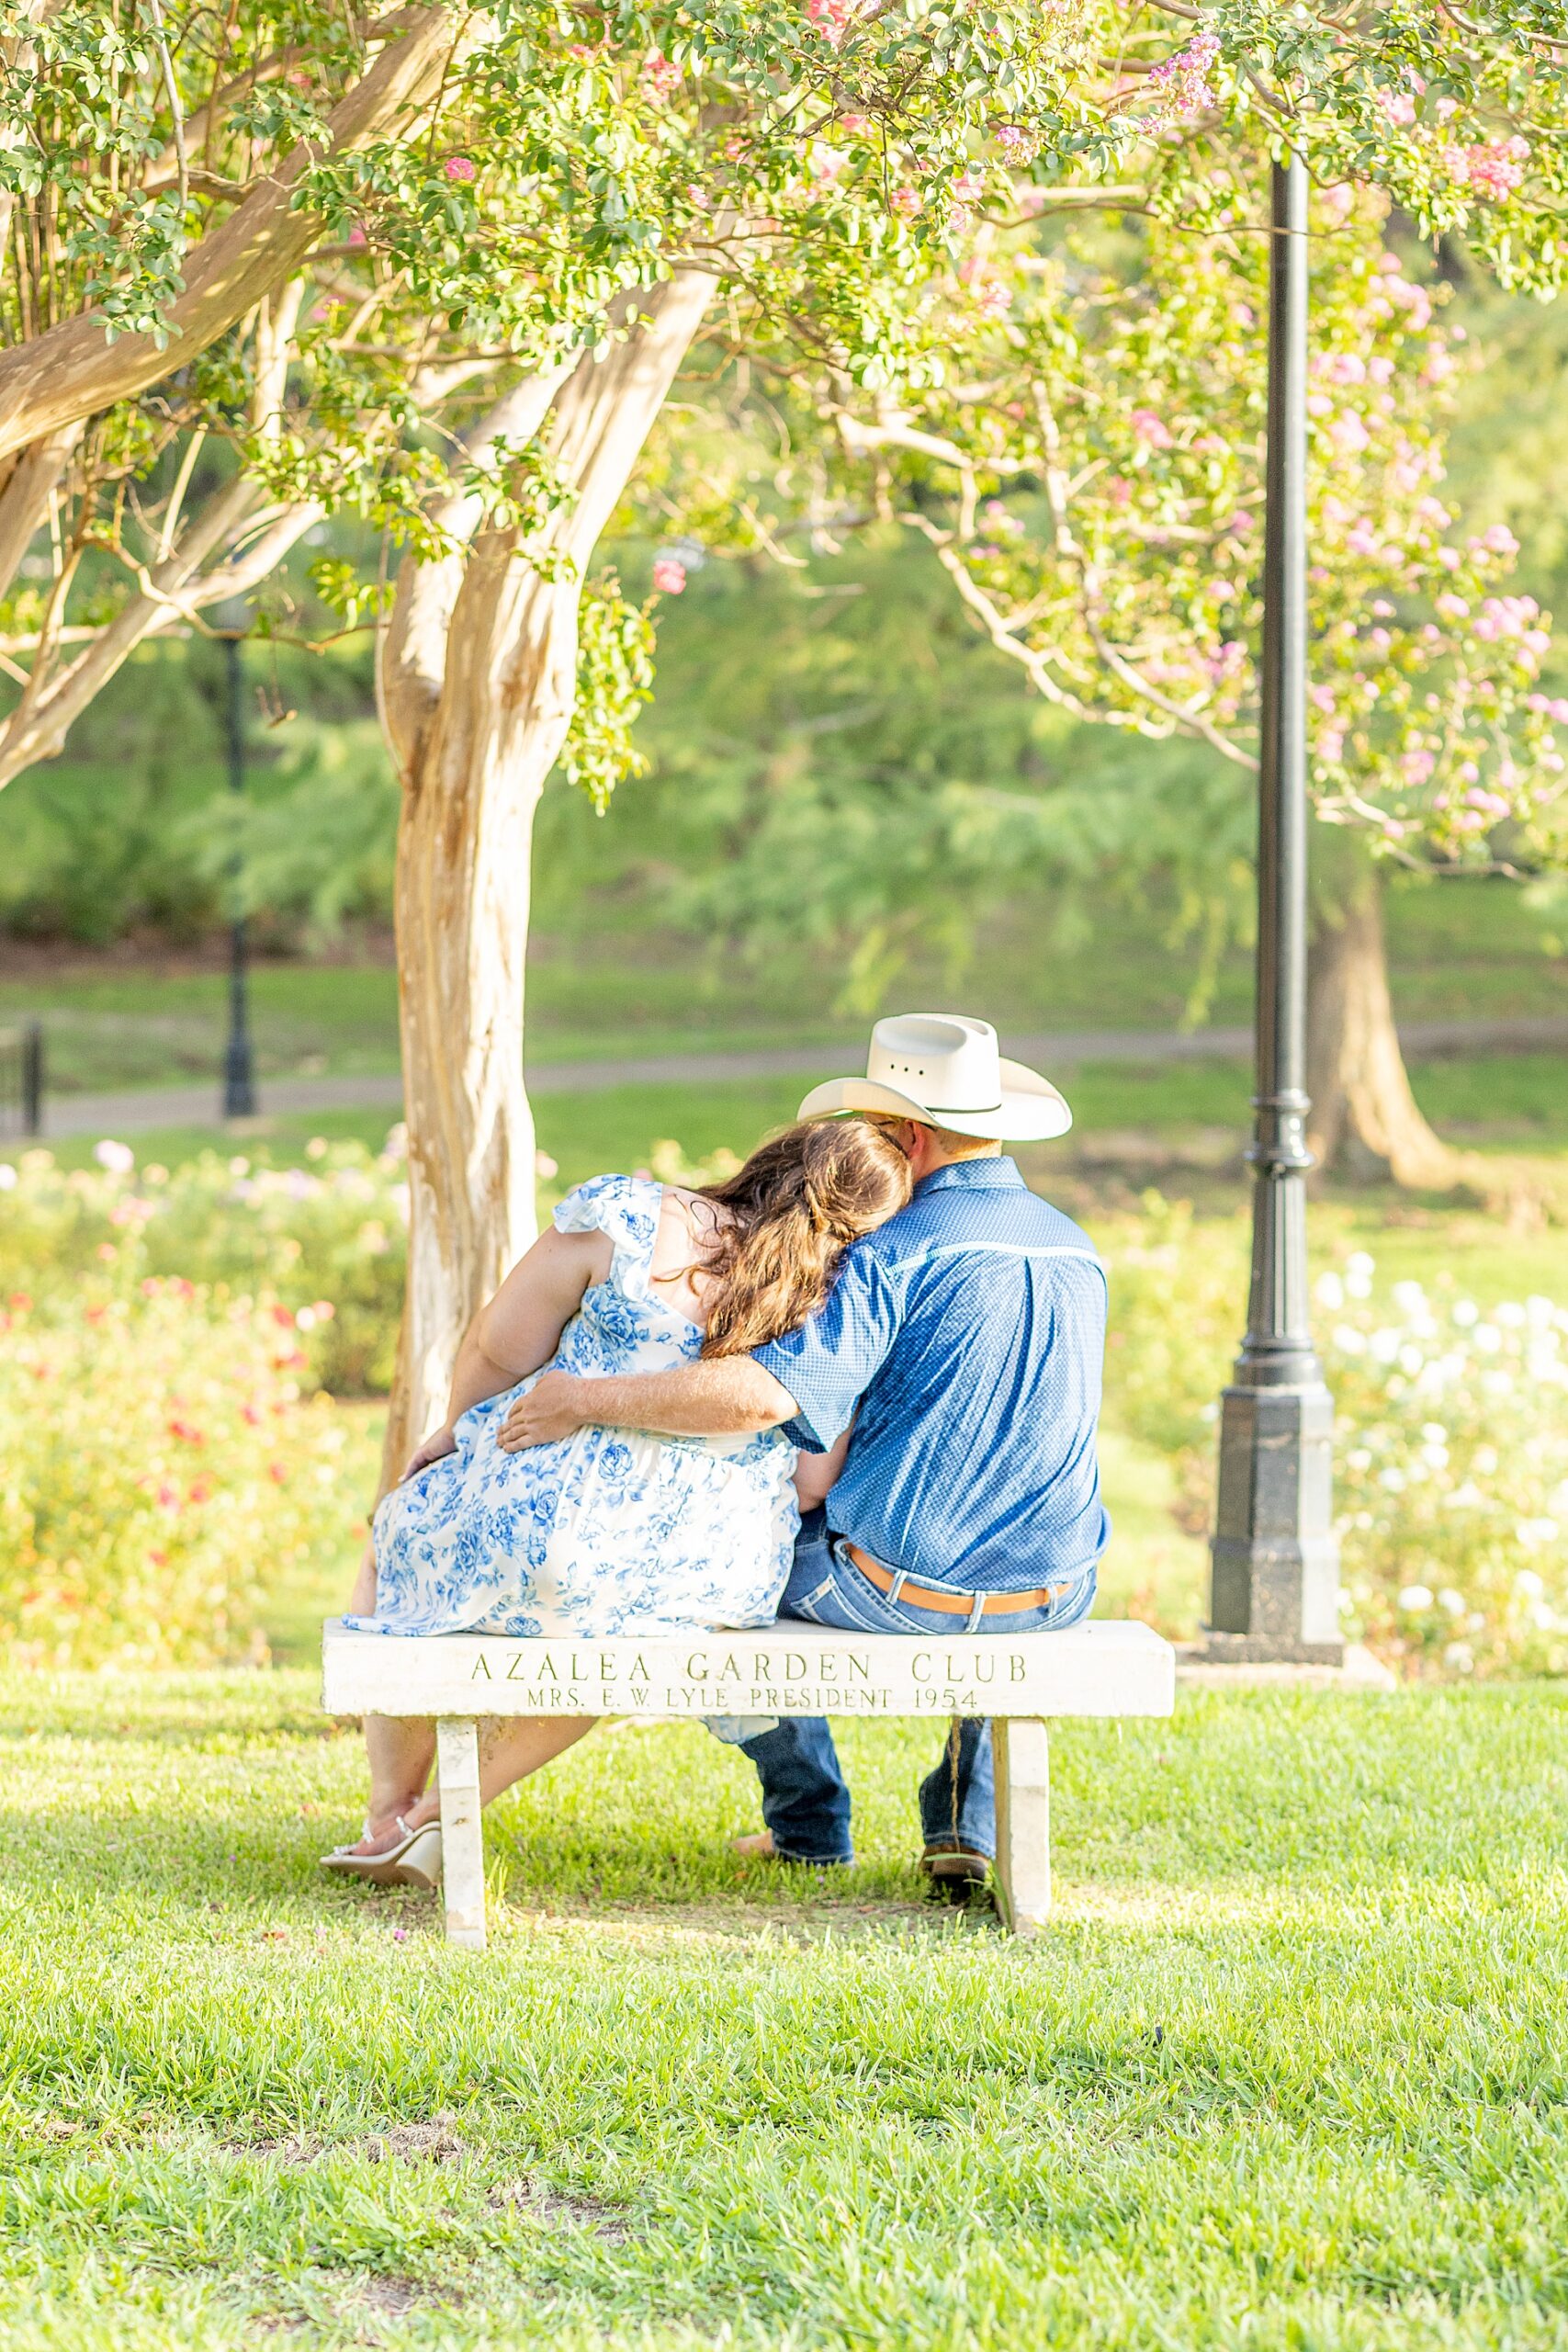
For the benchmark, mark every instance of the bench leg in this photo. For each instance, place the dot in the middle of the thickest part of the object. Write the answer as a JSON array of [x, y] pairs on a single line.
[[462, 1830], [1022, 1753]]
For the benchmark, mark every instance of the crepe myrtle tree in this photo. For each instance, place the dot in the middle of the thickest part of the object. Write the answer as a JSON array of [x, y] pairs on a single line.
[[439, 269], [1092, 486]]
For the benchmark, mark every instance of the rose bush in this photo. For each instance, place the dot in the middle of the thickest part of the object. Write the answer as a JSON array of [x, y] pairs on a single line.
[[1451, 1453], [164, 1464], [332, 1234]]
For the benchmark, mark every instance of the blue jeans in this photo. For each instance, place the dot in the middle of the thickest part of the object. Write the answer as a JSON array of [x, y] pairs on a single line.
[[805, 1801]]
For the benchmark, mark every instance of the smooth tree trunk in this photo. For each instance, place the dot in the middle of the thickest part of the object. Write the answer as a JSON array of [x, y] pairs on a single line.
[[1365, 1120], [478, 679]]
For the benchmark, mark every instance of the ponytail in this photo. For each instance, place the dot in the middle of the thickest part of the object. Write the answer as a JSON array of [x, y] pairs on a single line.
[[794, 1209]]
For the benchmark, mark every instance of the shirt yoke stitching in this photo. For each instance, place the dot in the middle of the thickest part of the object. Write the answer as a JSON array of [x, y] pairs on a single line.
[[996, 1249]]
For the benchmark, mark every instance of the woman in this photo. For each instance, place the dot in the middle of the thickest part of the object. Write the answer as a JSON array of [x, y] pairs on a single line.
[[607, 1532]]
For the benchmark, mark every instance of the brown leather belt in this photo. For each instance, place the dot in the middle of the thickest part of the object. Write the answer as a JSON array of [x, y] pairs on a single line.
[[951, 1604]]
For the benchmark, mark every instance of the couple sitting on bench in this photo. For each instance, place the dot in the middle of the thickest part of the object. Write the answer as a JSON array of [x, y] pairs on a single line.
[[855, 1384]]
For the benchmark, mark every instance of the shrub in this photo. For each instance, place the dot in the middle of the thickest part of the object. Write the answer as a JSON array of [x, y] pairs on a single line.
[[1451, 1472], [334, 1231], [1451, 1436], [162, 1465]]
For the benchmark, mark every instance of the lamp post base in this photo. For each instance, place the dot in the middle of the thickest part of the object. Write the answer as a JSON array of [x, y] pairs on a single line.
[[1275, 1590], [1264, 1649], [1199, 1667]]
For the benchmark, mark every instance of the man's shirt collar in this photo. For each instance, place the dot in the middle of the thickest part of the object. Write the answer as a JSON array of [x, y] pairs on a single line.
[[998, 1175]]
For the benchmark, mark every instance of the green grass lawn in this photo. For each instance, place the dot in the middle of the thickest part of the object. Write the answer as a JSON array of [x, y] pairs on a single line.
[[1287, 2071], [614, 987]]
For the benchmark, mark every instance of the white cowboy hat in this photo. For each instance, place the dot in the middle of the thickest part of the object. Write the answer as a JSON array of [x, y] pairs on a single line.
[[944, 1071]]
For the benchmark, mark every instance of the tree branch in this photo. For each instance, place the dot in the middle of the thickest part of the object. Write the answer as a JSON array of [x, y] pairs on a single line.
[[24, 499], [72, 371]]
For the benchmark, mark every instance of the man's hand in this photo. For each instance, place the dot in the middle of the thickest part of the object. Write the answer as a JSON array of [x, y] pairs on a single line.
[[552, 1410], [440, 1442]]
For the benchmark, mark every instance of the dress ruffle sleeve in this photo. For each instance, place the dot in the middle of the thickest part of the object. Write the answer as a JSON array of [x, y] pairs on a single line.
[[626, 1208]]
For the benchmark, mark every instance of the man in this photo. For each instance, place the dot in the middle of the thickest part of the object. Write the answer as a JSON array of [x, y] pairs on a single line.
[[950, 1388]]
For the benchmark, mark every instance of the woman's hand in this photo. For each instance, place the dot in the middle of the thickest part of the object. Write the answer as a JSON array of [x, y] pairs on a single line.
[[552, 1410], [440, 1442]]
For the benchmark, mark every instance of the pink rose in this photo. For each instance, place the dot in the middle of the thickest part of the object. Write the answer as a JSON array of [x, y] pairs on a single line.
[[668, 575]]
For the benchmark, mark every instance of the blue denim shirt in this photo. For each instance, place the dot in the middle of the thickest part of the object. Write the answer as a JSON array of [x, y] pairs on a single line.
[[965, 1339]]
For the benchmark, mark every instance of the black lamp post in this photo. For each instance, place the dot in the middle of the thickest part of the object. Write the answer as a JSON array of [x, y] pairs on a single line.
[[238, 1067], [1275, 1591]]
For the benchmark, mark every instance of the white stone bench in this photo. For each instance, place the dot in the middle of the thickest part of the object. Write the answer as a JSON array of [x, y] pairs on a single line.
[[791, 1668]]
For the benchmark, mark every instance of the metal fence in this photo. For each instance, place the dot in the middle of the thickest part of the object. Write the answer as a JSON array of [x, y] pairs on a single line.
[[21, 1079]]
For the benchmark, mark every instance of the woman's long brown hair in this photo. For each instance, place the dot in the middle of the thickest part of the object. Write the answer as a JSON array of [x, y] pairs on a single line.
[[791, 1213]]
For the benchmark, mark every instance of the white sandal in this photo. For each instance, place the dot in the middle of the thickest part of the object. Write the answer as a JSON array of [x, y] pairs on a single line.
[[414, 1860]]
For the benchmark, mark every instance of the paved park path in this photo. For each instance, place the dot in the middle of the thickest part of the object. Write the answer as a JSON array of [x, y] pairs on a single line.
[[127, 1113]]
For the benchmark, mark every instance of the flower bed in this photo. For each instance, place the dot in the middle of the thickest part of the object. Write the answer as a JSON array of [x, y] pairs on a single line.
[[334, 1231], [164, 1463], [1451, 1424]]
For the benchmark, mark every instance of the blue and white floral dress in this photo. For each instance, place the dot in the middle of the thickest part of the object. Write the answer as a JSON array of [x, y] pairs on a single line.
[[607, 1532]]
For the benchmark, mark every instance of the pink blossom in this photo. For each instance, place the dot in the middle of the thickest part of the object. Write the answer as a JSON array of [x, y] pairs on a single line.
[[697, 198], [1346, 367], [659, 76], [1245, 315], [1379, 368], [994, 299], [1408, 473], [1432, 510], [1243, 523], [1363, 540], [1417, 767], [1506, 616], [1382, 610], [1330, 745], [1180, 83], [1396, 106], [1118, 490], [1438, 368], [855, 123], [1322, 698], [1499, 541], [356, 235], [830, 19], [1451, 608], [1496, 169], [825, 162], [966, 188], [1319, 404], [1150, 429], [1017, 144], [1338, 203], [906, 201], [1491, 803], [668, 575], [1449, 558], [1412, 298], [1033, 201], [1349, 435], [460, 167], [118, 1158]]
